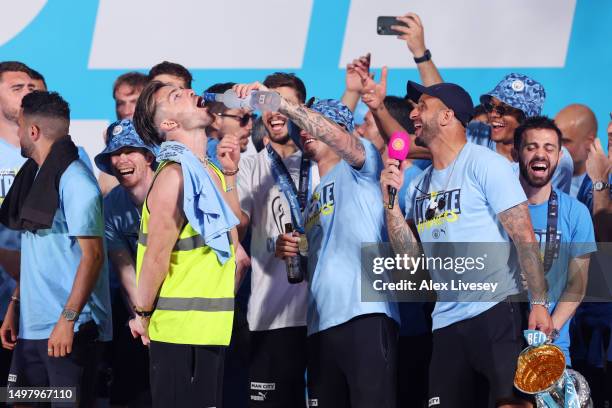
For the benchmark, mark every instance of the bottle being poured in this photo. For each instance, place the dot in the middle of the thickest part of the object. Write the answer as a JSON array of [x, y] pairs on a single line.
[[264, 101]]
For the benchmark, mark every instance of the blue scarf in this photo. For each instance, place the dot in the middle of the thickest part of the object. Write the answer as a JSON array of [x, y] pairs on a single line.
[[203, 204]]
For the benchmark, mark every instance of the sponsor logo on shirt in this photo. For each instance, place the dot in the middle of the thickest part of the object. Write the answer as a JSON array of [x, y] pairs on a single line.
[[321, 203]]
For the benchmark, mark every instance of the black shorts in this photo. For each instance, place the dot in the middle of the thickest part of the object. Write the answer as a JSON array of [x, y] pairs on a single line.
[[277, 368], [32, 366], [354, 364], [183, 375], [486, 346]]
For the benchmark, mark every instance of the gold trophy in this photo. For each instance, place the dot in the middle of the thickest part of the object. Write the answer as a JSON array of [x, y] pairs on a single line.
[[541, 371]]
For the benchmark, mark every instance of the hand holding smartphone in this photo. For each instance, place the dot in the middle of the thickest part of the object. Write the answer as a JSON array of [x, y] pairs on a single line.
[[384, 23]]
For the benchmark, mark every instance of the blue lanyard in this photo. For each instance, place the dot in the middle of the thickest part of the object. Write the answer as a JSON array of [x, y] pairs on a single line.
[[296, 197]]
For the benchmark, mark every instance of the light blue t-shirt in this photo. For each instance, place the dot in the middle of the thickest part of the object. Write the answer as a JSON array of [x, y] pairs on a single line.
[[10, 163], [482, 185], [409, 173], [121, 226], [121, 221], [50, 258], [344, 212], [575, 232], [562, 177]]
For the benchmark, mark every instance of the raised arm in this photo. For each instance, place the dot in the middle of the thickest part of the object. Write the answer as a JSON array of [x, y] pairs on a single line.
[[414, 35], [347, 146], [598, 169], [373, 95], [517, 223], [353, 85]]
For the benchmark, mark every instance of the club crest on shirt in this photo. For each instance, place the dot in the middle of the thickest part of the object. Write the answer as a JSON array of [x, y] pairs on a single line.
[[448, 209]]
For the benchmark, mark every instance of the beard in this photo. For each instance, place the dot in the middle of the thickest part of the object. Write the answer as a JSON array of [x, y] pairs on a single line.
[[26, 151], [282, 140], [429, 130], [536, 182]]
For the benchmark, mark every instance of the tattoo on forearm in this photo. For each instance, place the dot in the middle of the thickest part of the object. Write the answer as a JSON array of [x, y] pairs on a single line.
[[401, 236], [346, 145], [517, 223]]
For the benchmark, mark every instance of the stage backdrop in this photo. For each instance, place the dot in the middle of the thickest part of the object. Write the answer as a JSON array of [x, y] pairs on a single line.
[[82, 46]]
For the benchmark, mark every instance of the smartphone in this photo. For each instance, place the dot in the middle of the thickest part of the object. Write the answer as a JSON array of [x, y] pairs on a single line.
[[384, 23]]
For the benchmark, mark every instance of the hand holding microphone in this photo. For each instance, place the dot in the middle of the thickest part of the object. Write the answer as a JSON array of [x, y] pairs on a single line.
[[398, 148]]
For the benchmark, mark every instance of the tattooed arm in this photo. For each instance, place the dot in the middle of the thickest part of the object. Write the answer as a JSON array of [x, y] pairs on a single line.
[[402, 237], [347, 146], [318, 126], [517, 223]]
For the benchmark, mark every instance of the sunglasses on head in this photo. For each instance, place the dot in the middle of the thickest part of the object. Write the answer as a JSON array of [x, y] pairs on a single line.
[[242, 120], [503, 109]]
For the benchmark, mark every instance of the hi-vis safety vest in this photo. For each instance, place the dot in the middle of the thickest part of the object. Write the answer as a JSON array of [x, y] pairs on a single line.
[[196, 300]]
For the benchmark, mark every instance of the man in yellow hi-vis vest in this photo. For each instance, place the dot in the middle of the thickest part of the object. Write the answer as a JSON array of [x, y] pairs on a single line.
[[186, 256]]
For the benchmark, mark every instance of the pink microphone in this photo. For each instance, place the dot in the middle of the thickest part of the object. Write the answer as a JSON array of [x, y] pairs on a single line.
[[398, 148]]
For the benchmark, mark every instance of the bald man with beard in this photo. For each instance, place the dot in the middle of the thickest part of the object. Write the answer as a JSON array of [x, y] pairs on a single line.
[[579, 128]]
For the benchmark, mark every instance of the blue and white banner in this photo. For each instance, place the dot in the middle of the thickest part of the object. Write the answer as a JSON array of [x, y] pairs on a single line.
[[82, 46]]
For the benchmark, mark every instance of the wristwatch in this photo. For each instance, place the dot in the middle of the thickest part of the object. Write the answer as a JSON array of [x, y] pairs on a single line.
[[554, 335], [600, 185], [545, 303], [70, 315], [425, 57], [143, 313]]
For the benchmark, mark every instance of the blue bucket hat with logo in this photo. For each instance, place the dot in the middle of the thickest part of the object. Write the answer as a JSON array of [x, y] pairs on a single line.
[[335, 111], [520, 92], [120, 134]]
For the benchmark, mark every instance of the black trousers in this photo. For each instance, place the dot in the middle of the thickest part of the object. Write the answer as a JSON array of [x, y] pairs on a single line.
[[277, 368], [184, 375], [354, 364], [32, 366]]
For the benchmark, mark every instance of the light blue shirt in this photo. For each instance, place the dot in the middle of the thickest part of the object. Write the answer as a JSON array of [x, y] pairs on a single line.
[[482, 185], [575, 232], [50, 258], [562, 177], [409, 174], [121, 221], [121, 226], [10, 163], [344, 212]]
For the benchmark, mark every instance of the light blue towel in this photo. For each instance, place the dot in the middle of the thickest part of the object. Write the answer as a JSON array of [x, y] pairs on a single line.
[[203, 204]]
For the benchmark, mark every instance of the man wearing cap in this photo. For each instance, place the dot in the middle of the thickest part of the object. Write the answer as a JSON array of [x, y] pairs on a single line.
[[468, 194], [515, 98], [340, 325], [131, 161]]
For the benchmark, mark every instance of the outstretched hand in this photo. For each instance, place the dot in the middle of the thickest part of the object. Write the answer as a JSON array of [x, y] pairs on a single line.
[[353, 80], [414, 35], [373, 94]]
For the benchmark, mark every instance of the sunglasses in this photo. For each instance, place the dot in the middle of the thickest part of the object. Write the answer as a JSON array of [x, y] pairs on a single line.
[[242, 120], [503, 109]]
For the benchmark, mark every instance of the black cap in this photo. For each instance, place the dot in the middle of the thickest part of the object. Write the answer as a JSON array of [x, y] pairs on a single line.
[[453, 96]]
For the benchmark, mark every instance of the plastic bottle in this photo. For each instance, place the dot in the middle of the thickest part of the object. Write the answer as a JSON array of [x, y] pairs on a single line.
[[265, 101]]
